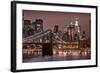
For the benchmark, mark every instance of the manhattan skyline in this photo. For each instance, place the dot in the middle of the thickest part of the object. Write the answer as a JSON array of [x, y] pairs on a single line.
[[51, 18]]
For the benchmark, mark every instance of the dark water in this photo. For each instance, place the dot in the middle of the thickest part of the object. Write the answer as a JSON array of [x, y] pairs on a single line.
[[56, 58]]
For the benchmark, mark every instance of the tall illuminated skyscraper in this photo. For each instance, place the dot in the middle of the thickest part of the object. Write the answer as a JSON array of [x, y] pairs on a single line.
[[77, 28]]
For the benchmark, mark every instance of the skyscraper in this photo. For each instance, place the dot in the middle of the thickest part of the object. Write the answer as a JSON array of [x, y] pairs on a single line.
[[56, 28], [77, 29], [26, 27], [39, 25]]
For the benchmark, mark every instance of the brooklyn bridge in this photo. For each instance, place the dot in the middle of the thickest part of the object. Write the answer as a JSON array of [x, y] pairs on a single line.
[[54, 45]]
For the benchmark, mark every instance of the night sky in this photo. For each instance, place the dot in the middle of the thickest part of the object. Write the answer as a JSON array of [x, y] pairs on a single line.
[[59, 18]]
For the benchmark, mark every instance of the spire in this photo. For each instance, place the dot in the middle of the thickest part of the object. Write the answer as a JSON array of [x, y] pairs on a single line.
[[71, 23], [76, 22]]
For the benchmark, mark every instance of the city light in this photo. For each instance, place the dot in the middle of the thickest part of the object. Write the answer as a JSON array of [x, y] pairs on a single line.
[[70, 43]]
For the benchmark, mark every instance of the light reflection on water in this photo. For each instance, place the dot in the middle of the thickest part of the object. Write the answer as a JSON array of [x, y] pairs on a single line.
[[35, 55], [62, 56]]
